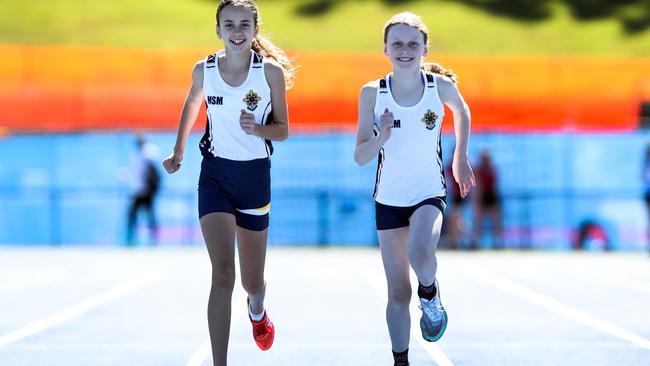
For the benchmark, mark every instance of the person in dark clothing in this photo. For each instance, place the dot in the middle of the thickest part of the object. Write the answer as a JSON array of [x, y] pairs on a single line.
[[454, 226], [145, 181], [646, 191], [487, 202]]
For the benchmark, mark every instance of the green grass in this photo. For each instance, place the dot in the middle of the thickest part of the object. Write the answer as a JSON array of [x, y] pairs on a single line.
[[351, 26]]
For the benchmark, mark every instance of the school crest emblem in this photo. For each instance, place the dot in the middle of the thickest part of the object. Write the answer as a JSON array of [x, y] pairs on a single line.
[[251, 99], [430, 119]]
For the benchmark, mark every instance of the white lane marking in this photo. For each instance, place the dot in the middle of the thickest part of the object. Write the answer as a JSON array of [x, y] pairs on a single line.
[[201, 354], [378, 282], [623, 282], [205, 349], [121, 290], [25, 278], [558, 307]]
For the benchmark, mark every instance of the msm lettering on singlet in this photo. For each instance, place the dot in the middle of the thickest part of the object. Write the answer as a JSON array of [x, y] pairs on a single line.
[[215, 100]]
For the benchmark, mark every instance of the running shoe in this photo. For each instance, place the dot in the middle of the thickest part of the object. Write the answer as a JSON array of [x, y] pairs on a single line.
[[434, 317], [263, 332]]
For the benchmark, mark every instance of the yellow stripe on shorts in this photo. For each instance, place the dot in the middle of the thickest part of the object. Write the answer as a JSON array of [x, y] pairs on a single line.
[[257, 211]]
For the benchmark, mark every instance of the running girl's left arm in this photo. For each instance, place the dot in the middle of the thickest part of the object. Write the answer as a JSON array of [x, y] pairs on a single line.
[[278, 130], [450, 96]]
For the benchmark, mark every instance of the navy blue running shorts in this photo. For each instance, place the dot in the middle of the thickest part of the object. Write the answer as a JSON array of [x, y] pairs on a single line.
[[393, 217], [241, 188]]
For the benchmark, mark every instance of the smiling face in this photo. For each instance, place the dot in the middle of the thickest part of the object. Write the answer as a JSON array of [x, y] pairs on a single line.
[[405, 46], [237, 28]]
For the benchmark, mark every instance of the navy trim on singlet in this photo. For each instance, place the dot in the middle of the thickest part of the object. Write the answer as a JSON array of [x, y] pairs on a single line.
[[430, 81], [383, 88], [205, 145], [440, 164], [257, 60], [380, 165], [211, 61], [269, 144]]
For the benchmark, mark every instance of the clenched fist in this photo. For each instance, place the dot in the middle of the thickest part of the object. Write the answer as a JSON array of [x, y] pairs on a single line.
[[386, 121], [172, 163], [247, 123]]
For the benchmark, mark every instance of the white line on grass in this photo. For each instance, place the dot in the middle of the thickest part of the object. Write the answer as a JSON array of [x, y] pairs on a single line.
[[558, 307], [114, 293], [432, 349]]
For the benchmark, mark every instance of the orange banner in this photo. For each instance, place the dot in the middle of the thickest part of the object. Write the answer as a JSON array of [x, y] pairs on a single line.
[[57, 88]]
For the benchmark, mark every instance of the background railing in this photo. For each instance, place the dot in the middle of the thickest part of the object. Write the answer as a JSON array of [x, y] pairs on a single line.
[[69, 189]]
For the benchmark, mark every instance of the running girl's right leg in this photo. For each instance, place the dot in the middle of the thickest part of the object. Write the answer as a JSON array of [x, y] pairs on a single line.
[[219, 235], [252, 254], [394, 254], [252, 257]]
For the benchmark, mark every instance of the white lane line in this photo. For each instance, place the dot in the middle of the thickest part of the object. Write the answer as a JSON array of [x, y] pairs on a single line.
[[377, 280], [625, 283], [22, 279], [114, 293], [204, 351], [201, 354], [558, 307]]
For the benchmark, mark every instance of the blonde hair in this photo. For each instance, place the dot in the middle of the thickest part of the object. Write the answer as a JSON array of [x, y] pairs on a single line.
[[414, 21], [261, 44]]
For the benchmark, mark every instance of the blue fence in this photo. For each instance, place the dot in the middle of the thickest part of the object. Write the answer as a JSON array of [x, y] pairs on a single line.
[[68, 189]]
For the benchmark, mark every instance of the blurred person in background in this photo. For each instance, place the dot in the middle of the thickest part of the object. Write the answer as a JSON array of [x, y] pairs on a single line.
[[487, 202], [646, 192], [400, 118], [144, 178], [243, 88], [453, 225]]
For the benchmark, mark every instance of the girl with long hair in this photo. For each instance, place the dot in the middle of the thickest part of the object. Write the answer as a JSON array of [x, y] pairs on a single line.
[[243, 87]]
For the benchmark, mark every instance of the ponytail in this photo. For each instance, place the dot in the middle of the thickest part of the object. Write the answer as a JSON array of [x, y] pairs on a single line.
[[266, 48], [262, 45], [439, 69]]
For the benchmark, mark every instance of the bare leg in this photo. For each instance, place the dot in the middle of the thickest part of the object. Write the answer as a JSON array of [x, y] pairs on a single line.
[[393, 245], [219, 234], [647, 236], [455, 227], [494, 214], [462, 226], [423, 237], [478, 226], [131, 224], [252, 256], [151, 215]]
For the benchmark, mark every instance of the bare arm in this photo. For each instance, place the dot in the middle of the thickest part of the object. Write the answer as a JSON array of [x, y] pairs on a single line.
[[278, 130], [450, 96], [188, 117], [369, 138]]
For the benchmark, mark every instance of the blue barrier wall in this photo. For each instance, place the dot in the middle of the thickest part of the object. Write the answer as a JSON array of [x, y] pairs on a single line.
[[70, 189]]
